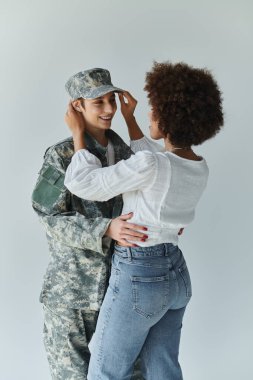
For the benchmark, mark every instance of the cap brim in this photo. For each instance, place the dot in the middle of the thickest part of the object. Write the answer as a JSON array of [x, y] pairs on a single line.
[[99, 91]]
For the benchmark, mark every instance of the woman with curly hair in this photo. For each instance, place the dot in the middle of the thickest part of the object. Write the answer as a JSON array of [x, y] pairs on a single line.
[[150, 285]]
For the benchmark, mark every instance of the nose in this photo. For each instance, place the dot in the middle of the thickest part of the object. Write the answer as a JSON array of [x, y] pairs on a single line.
[[109, 108]]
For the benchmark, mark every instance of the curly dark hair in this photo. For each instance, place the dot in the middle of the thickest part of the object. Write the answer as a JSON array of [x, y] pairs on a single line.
[[186, 102]]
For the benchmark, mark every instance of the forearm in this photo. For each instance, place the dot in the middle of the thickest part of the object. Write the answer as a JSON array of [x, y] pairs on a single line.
[[134, 131], [74, 230], [79, 140]]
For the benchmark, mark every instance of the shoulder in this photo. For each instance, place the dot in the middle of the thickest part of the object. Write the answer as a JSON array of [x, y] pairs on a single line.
[[63, 148], [60, 154], [205, 167]]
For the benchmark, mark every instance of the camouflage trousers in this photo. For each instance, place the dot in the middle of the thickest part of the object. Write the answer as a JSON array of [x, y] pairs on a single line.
[[67, 333]]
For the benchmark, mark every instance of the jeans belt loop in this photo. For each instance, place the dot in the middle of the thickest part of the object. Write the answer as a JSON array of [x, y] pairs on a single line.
[[166, 253], [129, 254]]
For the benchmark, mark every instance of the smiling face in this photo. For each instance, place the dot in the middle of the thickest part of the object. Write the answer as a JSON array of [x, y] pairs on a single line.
[[99, 112]]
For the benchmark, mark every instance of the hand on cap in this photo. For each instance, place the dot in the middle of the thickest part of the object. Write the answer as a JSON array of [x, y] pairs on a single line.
[[74, 120], [127, 109]]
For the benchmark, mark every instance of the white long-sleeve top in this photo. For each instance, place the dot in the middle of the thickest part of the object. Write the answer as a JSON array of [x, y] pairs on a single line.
[[159, 187]]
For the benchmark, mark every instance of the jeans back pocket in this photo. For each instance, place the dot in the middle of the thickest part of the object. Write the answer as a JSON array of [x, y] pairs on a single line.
[[150, 294]]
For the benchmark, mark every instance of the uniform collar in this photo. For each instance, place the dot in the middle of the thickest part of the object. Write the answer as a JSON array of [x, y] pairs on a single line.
[[121, 150], [93, 144]]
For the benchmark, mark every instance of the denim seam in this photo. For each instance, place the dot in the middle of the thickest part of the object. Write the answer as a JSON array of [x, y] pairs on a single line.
[[100, 348], [116, 282], [187, 286], [177, 288]]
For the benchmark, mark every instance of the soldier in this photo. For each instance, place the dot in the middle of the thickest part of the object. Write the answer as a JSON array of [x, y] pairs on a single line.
[[80, 233]]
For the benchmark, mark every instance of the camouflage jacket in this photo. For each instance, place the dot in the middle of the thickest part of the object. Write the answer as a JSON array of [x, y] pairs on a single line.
[[78, 271]]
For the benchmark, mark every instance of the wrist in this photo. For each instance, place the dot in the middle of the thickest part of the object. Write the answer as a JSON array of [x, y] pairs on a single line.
[[78, 133], [107, 231], [79, 141], [129, 118]]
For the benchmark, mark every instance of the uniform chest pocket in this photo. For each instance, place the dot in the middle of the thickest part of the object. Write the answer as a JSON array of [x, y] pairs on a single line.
[[49, 188], [150, 294]]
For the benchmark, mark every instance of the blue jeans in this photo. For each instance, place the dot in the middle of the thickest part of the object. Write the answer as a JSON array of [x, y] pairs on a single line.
[[142, 314]]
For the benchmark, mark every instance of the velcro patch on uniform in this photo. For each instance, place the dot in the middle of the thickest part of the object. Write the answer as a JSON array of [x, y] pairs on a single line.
[[49, 188], [54, 177]]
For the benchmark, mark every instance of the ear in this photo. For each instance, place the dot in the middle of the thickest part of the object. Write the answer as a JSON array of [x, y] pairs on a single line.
[[77, 105]]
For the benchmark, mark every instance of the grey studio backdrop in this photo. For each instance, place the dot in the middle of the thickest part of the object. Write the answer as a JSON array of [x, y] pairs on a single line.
[[42, 44]]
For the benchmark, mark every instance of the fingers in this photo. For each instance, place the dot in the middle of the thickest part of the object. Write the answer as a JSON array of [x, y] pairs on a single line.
[[124, 243], [69, 109], [122, 99], [131, 225], [126, 216], [129, 97], [133, 232], [133, 237]]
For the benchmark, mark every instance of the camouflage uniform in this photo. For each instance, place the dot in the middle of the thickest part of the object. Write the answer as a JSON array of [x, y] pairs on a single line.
[[77, 275]]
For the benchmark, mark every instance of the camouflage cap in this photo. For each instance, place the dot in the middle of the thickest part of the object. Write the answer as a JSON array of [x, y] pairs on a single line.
[[90, 84]]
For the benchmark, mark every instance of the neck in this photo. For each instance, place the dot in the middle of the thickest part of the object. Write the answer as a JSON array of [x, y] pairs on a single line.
[[184, 152], [168, 145], [97, 134], [171, 148]]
